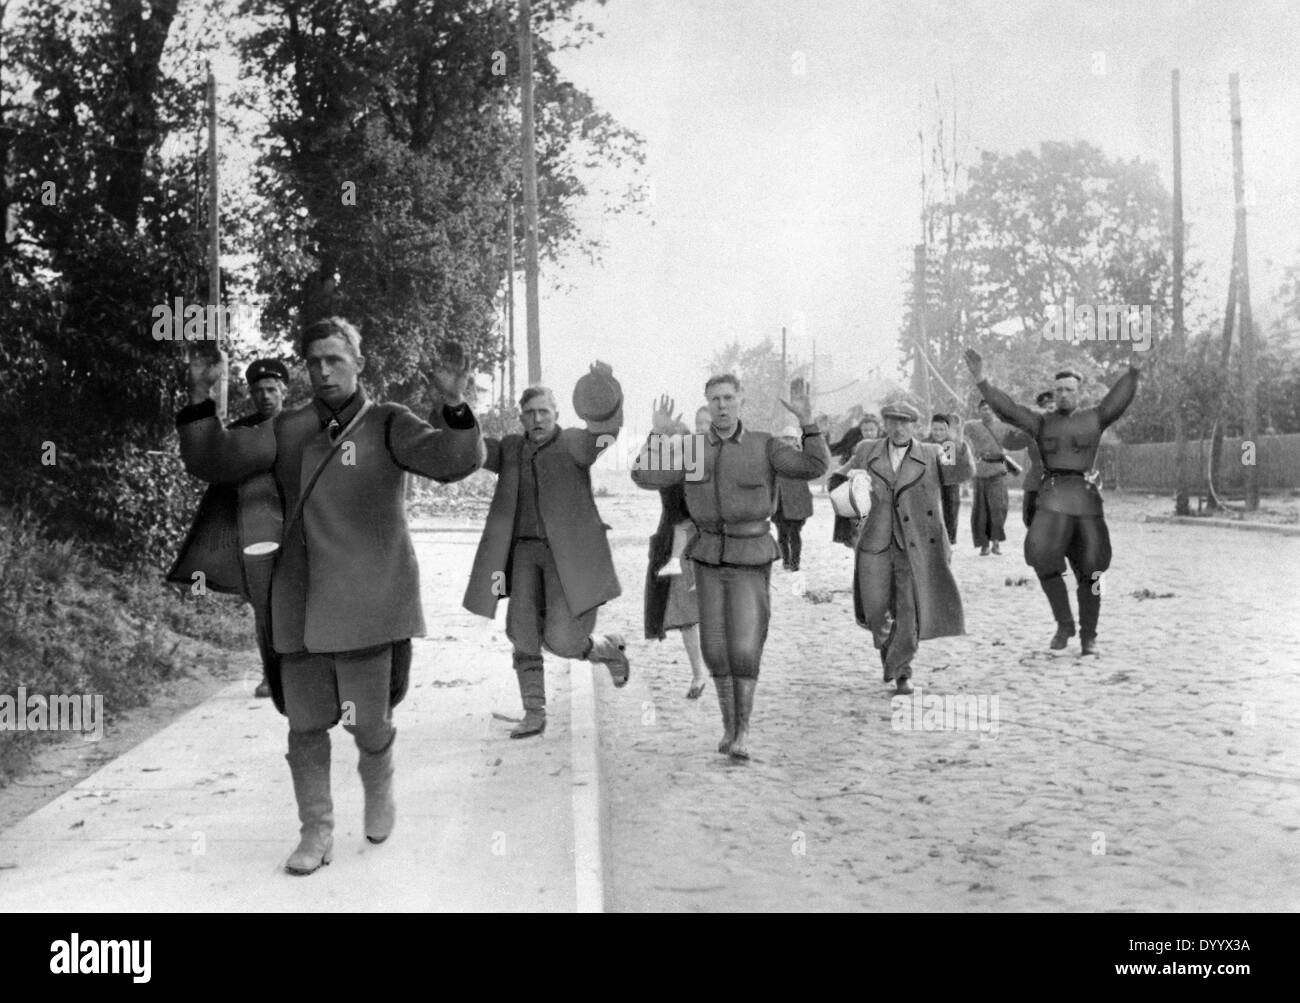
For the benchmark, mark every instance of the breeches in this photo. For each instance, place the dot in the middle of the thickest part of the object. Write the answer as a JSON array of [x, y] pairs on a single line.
[[319, 689], [735, 606], [1028, 505], [988, 515], [538, 613], [1055, 537]]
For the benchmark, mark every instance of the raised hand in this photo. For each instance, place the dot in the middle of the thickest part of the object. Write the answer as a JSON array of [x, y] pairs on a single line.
[[451, 374], [664, 422], [204, 372], [975, 363], [602, 369], [801, 408]]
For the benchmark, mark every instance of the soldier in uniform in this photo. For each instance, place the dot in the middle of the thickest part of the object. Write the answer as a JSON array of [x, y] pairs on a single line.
[[988, 515], [731, 504], [268, 381], [345, 592], [544, 544], [1068, 522], [903, 589]]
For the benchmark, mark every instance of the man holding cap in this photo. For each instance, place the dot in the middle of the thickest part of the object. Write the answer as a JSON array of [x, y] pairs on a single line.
[[903, 589], [544, 543]]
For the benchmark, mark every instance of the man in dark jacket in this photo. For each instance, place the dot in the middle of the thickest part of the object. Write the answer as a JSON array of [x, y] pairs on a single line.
[[345, 593], [956, 464], [544, 546], [730, 491], [1069, 523]]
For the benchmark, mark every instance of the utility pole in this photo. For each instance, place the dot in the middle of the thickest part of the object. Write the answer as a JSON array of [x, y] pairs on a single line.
[[529, 156], [510, 302], [1250, 421], [214, 246], [918, 323], [1181, 506]]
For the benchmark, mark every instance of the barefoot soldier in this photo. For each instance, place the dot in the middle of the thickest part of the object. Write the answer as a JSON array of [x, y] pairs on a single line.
[[345, 590], [544, 543], [731, 504], [903, 589], [1068, 522]]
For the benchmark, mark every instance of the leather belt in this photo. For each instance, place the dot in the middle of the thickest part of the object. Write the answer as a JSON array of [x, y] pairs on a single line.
[[739, 530], [1064, 473]]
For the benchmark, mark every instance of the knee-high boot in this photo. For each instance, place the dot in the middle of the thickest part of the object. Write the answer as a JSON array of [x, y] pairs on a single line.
[[1058, 597], [727, 704], [532, 689], [745, 686], [376, 769], [1089, 614], [309, 762]]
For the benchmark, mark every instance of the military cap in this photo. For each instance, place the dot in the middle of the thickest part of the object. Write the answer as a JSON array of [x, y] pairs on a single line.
[[263, 368], [901, 410]]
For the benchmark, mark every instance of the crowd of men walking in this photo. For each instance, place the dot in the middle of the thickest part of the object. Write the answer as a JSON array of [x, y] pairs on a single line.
[[315, 499]]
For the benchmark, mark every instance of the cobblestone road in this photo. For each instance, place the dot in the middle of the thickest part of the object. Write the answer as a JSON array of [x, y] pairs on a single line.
[[1163, 775]]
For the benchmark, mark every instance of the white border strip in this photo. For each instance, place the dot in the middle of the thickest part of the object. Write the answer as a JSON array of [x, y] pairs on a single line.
[[587, 850]]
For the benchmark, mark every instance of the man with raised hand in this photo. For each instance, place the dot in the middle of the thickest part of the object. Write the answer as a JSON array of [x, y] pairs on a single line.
[[1068, 522], [731, 495], [544, 543], [345, 592]]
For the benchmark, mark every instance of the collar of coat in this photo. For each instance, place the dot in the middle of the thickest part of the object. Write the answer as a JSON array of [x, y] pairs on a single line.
[[737, 437], [910, 468], [343, 415]]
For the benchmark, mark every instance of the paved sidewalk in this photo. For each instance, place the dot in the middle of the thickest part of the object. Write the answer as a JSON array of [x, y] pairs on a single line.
[[201, 816]]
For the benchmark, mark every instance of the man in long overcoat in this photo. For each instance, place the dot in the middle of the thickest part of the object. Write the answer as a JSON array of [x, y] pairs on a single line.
[[903, 589], [345, 593], [544, 547]]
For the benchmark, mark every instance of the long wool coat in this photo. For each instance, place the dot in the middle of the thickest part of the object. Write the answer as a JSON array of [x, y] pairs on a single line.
[[346, 577], [574, 527], [906, 510]]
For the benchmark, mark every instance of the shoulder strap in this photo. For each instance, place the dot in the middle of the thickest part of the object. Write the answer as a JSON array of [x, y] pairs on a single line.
[[320, 468]]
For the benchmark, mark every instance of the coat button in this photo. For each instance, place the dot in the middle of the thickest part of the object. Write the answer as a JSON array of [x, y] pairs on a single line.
[[905, 519], [929, 511]]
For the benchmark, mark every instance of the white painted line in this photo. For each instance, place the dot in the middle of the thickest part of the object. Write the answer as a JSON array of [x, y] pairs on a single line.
[[587, 849]]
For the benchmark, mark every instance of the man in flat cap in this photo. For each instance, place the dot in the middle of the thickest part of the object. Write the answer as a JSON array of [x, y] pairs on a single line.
[[544, 544], [345, 592], [1068, 521], [731, 495], [903, 589]]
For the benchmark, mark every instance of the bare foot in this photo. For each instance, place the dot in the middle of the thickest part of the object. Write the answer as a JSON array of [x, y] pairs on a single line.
[[725, 745], [740, 745]]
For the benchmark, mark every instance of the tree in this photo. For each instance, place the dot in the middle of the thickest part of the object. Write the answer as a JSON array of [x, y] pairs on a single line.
[[394, 152]]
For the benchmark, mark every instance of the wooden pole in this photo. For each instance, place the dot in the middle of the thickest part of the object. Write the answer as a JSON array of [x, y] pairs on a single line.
[[1216, 433], [1250, 421], [529, 156], [510, 300], [1181, 505], [918, 323], [214, 246]]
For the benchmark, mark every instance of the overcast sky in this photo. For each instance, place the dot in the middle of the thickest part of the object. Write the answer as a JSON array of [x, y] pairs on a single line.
[[789, 198]]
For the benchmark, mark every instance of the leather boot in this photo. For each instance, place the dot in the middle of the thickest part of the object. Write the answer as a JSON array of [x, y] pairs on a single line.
[[744, 687], [727, 704], [532, 690], [1058, 597], [1089, 614], [309, 762], [608, 649], [376, 769]]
